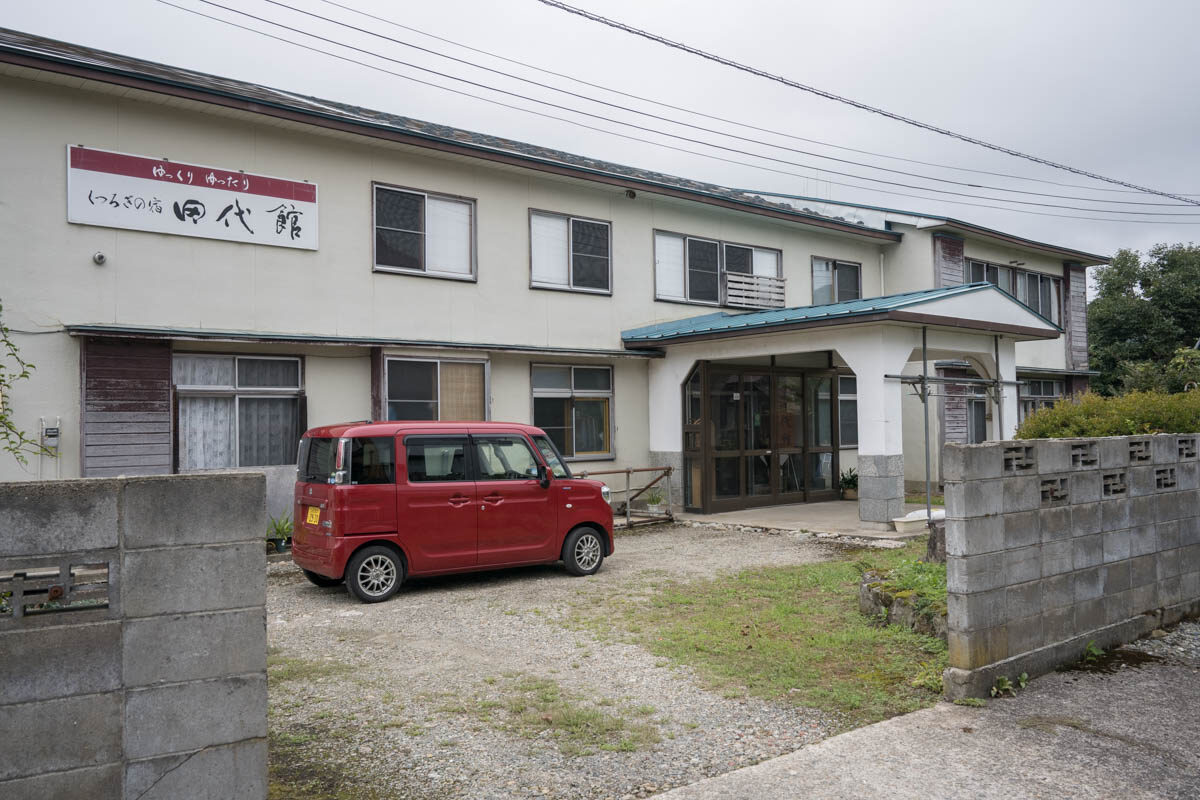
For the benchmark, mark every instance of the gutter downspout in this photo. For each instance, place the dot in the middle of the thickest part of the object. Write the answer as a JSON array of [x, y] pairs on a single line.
[[882, 288]]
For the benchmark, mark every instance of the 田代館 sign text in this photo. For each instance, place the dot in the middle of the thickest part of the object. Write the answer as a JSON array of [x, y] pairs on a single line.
[[118, 190]]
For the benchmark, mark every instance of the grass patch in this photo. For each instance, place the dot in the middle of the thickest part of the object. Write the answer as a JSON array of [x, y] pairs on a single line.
[[281, 668], [538, 707], [792, 634], [301, 766], [922, 585], [919, 497]]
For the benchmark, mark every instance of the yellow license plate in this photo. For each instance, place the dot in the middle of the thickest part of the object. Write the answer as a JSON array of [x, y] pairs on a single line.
[[314, 515]]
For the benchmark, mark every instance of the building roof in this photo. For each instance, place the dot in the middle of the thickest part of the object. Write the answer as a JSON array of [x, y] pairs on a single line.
[[890, 307], [39, 52]]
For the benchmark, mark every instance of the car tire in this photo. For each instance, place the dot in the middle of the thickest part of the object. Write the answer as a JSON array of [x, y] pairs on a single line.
[[320, 580], [374, 574], [583, 551]]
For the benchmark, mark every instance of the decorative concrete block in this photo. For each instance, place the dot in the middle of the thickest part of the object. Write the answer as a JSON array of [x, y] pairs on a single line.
[[1088, 551], [54, 735], [182, 580], [1023, 600], [233, 771], [1114, 452], [194, 509], [970, 612], [880, 466], [1089, 615], [1089, 584], [1022, 529], [968, 574], [1189, 447], [969, 537], [184, 647], [1055, 523], [1168, 535], [1021, 494], [1116, 546], [1141, 451], [1025, 635], [1143, 570], [971, 462], [1058, 624], [1085, 519], [1114, 515], [1168, 564], [188, 716], [1057, 557], [1058, 591], [1115, 577], [1165, 448], [1023, 564], [1084, 487], [44, 663], [58, 516]]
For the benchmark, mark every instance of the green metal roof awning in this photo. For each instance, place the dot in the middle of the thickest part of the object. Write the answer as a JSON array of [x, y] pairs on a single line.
[[894, 307]]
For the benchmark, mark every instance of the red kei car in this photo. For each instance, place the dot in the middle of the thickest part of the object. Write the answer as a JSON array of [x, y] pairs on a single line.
[[376, 502]]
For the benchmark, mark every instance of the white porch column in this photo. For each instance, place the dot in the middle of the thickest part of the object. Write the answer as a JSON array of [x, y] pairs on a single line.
[[1005, 426], [665, 410], [873, 354]]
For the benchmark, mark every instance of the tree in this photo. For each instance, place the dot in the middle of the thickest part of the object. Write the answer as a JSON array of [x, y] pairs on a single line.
[[1146, 310], [13, 369]]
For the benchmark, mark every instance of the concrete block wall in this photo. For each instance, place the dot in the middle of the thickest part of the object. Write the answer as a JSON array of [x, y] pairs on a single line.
[[1051, 544], [133, 638]]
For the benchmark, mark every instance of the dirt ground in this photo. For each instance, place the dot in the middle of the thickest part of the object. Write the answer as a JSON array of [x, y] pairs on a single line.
[[478, 686]]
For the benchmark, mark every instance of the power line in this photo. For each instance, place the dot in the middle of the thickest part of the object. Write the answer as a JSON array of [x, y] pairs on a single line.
[[726, 120], [854, 103], [680, 137], [502, 104], [685, 124]]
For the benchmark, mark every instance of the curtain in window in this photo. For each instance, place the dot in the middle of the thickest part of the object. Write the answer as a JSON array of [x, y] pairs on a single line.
[[206, 433], [276, 373], [462, 391], [668, 266], [822, 283], [268, 430], [203, 371], [448, 236], [766, 262], [548, 239]]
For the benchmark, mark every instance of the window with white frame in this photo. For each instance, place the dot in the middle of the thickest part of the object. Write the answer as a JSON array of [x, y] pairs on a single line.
[[1041, 293], [236, 411], [1037, 394], [848, 410], [835, 281], [573, 405], [435, 389], [423, 233], [690, 269], [570, 252]]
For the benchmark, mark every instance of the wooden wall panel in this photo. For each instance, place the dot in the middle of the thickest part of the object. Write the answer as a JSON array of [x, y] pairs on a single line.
[[126, 407]]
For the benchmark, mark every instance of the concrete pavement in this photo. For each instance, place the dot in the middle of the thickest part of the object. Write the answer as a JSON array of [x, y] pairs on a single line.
[[1131, 734]]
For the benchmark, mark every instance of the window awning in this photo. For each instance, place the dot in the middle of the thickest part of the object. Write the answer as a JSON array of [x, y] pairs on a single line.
[[974, 307]]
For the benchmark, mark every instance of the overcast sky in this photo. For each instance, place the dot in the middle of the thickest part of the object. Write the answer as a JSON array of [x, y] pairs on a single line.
[[1106, 86]]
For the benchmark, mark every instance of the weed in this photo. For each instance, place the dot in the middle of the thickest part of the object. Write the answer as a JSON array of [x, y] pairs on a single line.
[[1092, 653], [928, 676], [971, 702], [1002, 685], [281, 669]]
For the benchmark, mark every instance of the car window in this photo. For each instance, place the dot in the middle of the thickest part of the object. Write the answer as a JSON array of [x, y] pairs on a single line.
[[551, 457], [436, 458], [372, 460], [504, 458], [317, 459]]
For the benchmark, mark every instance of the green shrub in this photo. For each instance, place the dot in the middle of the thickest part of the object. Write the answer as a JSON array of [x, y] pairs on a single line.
[[1125, 415]]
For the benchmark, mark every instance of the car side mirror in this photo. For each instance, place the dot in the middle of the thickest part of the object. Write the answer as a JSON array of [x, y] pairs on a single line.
[[543, 476]]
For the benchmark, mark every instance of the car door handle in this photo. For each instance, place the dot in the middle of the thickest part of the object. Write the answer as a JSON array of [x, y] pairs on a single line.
[[459, 500], [493, 498]]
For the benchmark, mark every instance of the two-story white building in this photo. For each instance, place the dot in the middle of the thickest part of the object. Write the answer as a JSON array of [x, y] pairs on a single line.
[[201, 268]]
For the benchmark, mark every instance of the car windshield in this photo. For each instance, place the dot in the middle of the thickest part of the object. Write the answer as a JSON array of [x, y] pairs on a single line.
[[318, 459], [550, 454]]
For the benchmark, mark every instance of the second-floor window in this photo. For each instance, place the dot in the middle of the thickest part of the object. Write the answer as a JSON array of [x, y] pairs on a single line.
[[423, 233], [1042, 293], [570, 252], [835, 281], [691, 269]]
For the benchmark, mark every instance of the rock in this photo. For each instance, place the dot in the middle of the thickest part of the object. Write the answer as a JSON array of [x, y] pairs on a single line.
[[935, 550], [1158, 633]]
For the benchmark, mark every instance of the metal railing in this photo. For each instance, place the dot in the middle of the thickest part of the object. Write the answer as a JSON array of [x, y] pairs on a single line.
[[636, 516], [753, 291]]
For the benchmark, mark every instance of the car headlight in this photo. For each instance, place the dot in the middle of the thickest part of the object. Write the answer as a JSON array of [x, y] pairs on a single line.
[[605, 493]]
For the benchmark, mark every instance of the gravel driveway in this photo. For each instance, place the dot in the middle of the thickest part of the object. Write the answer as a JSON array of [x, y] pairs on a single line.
[[419, 696]]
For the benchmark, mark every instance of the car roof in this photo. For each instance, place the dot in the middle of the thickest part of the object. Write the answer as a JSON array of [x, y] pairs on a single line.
[[369, 428]]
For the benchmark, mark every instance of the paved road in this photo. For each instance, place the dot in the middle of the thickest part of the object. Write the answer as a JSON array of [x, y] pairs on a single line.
[[1131, 734]]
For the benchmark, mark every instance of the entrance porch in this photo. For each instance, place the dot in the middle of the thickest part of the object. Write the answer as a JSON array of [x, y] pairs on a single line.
[[838, 517]]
